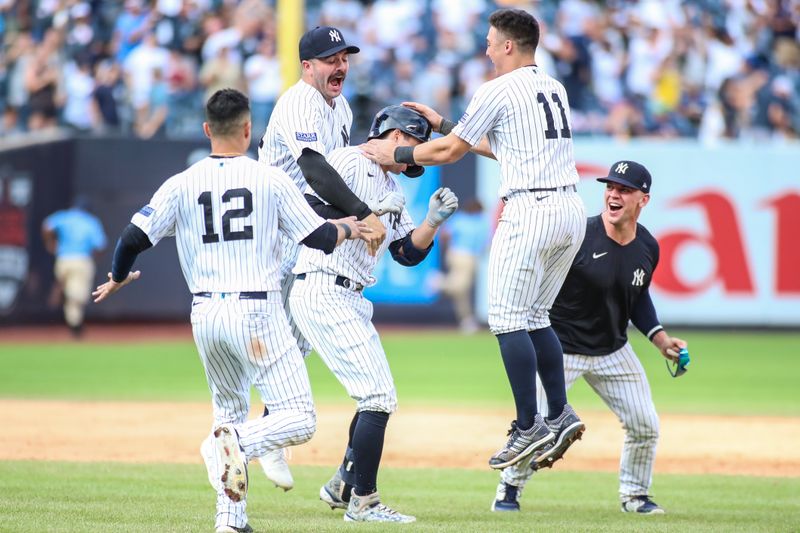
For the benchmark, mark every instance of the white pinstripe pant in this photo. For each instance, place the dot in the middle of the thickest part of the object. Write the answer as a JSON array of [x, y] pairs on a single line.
[[243, 343], [338, 322], [532, 251], [619, 379]]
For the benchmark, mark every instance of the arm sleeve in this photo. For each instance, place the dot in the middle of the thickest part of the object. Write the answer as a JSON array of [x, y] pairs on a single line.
[[323, 238], [322, 209], [405, 253], [329, 185], [643, 315], [131, 243]]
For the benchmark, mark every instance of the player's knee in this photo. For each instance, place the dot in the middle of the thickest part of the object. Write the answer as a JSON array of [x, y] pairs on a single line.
[[308, 429], [646, 429]]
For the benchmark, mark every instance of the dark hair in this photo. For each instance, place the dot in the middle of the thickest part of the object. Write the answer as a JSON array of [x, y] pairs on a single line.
[[227, 110], [518, 25]]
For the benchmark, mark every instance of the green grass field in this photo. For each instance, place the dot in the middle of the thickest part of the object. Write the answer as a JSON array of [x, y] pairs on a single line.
[[731, 373]]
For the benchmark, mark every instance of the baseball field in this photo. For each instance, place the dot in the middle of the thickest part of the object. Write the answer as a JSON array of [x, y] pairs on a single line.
[[103, 435]]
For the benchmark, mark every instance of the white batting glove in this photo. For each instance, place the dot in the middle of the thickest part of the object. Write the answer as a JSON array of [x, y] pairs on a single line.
[[391, 202], [442, 204]]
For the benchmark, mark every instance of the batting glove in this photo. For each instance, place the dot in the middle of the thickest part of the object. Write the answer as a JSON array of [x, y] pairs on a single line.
[[442, 204], [391, 202]]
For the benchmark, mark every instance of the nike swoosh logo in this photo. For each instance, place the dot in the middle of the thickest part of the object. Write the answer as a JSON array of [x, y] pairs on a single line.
[[370, 175], [598, 256], [539, 198]]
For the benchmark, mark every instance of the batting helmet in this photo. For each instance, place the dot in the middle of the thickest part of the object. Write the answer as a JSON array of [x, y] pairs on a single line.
[[405, 119]]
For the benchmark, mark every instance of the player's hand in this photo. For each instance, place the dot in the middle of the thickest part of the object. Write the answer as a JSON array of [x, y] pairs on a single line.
[[442, 204], [358, 229], [391, 202], [430, 115], [669, 346], [377, 234], [380, 151], [110, 287]]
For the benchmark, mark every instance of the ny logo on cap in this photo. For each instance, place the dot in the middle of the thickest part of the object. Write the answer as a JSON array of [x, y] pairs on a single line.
[[335, 36], [621, 168]]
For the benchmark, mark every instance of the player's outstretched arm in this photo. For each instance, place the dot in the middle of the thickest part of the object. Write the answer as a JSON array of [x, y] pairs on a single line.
[[445, 126], [110, 287]]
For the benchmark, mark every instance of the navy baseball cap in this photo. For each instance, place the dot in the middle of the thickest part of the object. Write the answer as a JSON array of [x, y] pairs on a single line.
[[324, 41], [630, 174]]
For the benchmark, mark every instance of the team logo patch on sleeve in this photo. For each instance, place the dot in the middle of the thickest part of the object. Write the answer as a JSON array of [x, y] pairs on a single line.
[[306, 137], [146, 211]]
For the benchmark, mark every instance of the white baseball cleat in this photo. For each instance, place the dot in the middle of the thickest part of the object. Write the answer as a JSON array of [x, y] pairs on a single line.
[[276, 468]]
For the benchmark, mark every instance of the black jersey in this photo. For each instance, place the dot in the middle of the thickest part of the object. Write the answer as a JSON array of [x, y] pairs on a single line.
[[591, 313]]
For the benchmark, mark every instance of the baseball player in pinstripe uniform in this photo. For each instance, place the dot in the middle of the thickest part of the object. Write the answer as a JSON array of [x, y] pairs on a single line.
[[311, 119], [226, 213], [329, 307], [522, 119], [608, 285]]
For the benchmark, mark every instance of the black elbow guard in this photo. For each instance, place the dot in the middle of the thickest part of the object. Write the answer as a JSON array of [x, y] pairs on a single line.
[[405, 253]]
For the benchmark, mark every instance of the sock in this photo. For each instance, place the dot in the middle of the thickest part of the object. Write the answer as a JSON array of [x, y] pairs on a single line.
[[519, 358], [367, 449], [346, 470], [550, 356]]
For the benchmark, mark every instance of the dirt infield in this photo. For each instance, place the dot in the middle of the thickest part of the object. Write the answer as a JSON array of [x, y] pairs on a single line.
[[417, 437]]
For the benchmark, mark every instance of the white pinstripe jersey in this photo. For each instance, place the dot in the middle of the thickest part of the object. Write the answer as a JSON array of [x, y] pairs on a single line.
[[526, 116], [367, 180], [303, 119], [225, 214]]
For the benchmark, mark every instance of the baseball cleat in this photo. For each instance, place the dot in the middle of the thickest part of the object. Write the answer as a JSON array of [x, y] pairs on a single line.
[[506, 498], [641, 505], [568, 428], [233, 529], [370, 509], [522, 443], [231, 463], [332, 492], [276, 468]]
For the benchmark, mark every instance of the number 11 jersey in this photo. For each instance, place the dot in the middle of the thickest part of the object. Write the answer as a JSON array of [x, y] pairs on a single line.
[[226, 214]]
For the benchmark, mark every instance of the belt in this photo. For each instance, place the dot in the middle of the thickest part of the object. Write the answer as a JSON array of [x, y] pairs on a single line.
[[565, 188], [341, 281], [252, 295]]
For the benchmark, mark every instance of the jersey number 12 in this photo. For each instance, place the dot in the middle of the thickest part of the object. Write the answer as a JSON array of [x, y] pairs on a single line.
[[245, 233]]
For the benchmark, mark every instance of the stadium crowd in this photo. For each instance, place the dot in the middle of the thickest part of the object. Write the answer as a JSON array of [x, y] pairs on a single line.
[[706, 69]]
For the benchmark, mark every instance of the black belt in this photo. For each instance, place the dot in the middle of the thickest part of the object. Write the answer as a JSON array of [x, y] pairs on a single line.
[[572, 188], [341, 281], [251, 295]]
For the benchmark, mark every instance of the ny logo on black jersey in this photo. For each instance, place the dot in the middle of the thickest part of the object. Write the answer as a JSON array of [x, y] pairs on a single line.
[[638, 277]]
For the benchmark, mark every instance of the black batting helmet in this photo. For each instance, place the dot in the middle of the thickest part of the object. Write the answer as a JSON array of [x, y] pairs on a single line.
[[405, 119]]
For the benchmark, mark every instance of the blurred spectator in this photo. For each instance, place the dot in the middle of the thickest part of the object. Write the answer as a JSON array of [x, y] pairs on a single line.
[[131, 27], [465, 237], [139, 69], [79, 111], [74, 236], [221, 72], [262, 71], [107, 80], [43, 83], [152, 121]]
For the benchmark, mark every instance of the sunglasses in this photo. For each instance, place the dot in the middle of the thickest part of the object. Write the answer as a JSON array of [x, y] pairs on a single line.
[[679, 368]]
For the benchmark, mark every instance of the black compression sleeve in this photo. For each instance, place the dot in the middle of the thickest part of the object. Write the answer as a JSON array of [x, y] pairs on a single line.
[[131, 243], [328, 184], [322, 209], [643, 315], [323, 238], [405, 253]]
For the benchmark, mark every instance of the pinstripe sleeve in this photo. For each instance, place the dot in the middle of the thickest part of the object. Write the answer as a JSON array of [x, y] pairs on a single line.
[[482, 113], [295, 217], [300, 126], [157, 218]]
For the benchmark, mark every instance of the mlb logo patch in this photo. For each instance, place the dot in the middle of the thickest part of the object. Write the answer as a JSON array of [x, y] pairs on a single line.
[[305, 137], [146, 211]]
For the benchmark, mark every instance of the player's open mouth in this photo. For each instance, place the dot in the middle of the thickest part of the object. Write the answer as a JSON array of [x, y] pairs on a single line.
[[336, 82], [614, 207]]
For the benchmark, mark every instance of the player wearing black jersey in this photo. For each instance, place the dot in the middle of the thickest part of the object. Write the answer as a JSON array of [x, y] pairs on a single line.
[[608, 285]]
